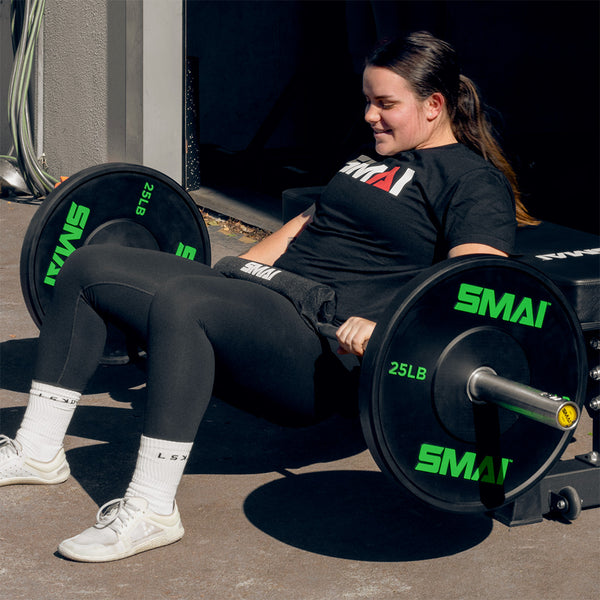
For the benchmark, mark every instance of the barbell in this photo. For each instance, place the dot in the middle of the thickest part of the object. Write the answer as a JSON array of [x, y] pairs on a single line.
[[450, 400]]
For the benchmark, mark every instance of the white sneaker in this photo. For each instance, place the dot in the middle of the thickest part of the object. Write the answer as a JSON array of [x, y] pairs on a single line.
[[124, 527], [17, 468]]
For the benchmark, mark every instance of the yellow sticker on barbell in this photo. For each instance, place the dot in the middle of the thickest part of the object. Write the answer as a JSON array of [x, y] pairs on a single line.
[[567, 415]]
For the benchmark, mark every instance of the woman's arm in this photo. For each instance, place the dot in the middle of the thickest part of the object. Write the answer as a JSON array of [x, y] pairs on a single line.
[[272, 247], [464, 249], [354, 334]]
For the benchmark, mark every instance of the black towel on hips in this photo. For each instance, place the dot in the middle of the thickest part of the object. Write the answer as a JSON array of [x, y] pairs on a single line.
[[314, 301]]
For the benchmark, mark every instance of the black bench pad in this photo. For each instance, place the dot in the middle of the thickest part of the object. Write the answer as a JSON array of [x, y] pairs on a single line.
[[571, 259]]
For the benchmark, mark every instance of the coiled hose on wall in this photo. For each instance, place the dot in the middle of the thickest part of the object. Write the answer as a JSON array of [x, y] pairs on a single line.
[[26, 19]]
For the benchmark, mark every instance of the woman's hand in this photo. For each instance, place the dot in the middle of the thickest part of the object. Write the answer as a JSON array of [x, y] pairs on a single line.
[[354, 335]]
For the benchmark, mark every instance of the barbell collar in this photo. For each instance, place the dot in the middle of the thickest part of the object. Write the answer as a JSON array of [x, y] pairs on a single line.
[[484, 385]]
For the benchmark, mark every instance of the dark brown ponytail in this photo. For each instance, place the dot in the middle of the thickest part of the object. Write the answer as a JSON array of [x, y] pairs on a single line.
[[430, 65], [472, 128]]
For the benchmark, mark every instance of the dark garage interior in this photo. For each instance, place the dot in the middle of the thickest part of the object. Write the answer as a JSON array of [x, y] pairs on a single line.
[[274, 98]]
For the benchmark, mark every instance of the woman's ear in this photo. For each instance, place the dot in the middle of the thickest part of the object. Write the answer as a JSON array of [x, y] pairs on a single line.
[[434, 105]]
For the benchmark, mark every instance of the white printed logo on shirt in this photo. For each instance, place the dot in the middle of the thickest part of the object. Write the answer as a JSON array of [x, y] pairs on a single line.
[[378, 175]]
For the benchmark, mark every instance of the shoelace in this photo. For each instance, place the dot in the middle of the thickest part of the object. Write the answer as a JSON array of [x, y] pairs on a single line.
[[7, 446], [115, 513]]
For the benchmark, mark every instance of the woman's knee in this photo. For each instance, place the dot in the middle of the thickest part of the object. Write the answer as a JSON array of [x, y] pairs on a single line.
[[86, 264], [175, 303]]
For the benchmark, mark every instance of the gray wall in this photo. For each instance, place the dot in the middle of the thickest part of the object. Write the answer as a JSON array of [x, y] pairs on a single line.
[[75, 87], [110, 88]]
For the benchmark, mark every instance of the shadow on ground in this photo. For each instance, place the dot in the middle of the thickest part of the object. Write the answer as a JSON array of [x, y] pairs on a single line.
[[358, 515]]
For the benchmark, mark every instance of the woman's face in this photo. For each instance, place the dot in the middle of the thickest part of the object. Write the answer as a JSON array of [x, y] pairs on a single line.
[[400, 121]]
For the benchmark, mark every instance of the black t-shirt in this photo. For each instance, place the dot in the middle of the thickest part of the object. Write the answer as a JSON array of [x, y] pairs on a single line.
[[380, 222]]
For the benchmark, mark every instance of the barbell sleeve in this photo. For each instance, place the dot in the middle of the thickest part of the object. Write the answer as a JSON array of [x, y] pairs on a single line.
[[484, 385]]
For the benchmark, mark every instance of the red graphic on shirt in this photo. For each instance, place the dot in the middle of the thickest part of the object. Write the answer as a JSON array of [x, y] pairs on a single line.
[[385, 180]]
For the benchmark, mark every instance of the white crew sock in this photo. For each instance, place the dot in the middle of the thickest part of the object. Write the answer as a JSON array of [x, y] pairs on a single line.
[[46, 419], [158, 471]]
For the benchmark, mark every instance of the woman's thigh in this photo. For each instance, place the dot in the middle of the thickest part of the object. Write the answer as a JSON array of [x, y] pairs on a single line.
[[266, 358], [116, 282]]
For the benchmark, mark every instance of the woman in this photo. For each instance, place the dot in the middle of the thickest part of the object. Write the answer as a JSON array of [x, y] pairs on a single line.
[[439, 188]]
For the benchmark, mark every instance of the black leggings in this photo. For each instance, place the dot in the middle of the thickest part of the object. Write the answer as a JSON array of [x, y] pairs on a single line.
[[202, 331]]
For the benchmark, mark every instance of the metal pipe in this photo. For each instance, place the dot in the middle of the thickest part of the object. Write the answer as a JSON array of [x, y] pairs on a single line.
[[485, 386]]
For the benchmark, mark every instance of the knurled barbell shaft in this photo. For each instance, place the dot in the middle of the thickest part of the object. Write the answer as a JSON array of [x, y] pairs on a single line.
[[485, 385]]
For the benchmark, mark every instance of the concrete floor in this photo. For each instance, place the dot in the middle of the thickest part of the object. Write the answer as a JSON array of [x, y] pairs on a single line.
[[269, 512]]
